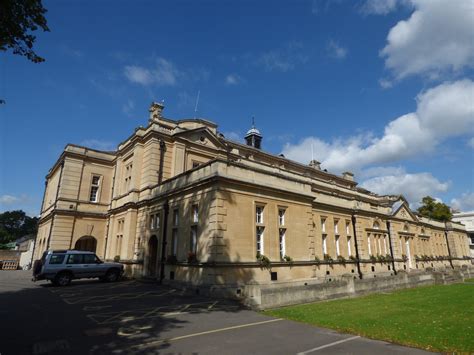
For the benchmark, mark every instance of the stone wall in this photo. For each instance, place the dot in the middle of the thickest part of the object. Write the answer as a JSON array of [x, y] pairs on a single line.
[[288, 293]]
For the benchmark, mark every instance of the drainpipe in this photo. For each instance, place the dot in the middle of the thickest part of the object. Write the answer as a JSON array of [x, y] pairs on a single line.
[[391, 247], [356, 246], [449, 250], [55, 205], [163, 244]]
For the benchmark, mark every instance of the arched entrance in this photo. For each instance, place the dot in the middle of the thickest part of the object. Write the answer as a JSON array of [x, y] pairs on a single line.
[[152, 255], [86, 243]]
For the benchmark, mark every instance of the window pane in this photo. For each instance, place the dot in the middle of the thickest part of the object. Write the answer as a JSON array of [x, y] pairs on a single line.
[[75, 259], [56, 259], [89, 259]]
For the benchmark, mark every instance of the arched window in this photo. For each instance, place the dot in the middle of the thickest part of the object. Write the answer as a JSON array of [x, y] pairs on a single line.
[[406, 228], [86, 243], [376, 225]]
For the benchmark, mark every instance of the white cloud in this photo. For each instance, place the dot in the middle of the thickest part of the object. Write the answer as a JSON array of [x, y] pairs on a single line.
[[385, 83], [234, 136], [98, 144], [464, 203], [436, 39], [233, 79], [442, 112], [412, 186], [470, 142], [128, 107], [8, 199], [379, 7], [163, 73], [283, 59], [335, 50]]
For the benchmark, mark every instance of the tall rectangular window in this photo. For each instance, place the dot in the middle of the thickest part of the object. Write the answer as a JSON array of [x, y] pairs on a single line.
[[378, 243], [95, 184], [175, 217], [193, 241], [281, 217], [282, 243], [368, 244], [152, 221], [259, 214], [336, 226], [128, 176], [174, 242], [157, 221], [195, 212], [259, 234], [348, 228], [325, 247], [323, 225], [337, 246], [385, 245], [349, 251]]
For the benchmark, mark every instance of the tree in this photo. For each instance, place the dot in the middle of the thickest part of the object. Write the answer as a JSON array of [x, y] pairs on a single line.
[[16, 224], [435, 210], [18, 18]]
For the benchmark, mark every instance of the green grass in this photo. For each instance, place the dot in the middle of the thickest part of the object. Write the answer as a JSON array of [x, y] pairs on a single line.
[[439, 318]]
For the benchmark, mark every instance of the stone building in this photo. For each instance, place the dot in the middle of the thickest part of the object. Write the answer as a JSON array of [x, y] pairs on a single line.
[[178, 201], [467, 219]]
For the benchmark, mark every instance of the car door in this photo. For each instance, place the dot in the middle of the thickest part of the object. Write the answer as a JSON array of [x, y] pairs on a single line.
[[75, 264], [91, 268]]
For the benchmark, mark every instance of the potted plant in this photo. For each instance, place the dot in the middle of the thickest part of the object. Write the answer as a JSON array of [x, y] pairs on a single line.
[[328, 258], [373, 258], [117, 258], [264, 261], [288, 259]]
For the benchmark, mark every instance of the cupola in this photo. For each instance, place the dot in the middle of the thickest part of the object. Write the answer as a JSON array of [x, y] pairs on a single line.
[[253, 137]]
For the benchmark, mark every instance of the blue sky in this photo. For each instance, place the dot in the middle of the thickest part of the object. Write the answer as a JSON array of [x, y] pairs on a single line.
[[382, 88]]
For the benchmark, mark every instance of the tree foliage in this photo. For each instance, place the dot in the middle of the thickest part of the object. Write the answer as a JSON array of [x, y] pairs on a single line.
[[432, 209], [16, 224], [18, 18]]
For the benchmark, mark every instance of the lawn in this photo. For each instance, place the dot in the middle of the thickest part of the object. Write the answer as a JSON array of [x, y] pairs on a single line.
[[438, 318]]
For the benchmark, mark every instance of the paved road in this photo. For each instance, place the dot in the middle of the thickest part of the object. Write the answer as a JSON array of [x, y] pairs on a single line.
[[130, 317]]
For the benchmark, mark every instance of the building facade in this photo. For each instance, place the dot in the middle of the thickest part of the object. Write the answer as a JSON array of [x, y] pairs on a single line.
[[178, 201], [467, 219]]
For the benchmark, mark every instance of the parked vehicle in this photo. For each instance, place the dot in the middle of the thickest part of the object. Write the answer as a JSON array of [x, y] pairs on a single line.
[[62, 266]]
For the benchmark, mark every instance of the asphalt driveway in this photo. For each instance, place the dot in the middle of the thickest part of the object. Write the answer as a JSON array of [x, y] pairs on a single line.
[[131, 317]]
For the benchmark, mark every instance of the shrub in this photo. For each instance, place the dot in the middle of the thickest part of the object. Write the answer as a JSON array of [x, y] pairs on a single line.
[[117, 258], [373, 258], [404, 257], [381, 258], [341, 259], [328, 258], [264, 261], [288, 259], [353, 258], [317, 260], [388, 257]]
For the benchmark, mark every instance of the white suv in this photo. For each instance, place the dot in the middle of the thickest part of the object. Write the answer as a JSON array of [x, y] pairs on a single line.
[[61, 266]]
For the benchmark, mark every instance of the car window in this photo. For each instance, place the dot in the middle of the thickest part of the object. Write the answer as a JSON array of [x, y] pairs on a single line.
[[89, 259], [57, 259], [75, 259]]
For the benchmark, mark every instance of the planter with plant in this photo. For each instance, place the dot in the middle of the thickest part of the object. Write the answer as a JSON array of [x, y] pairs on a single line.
[[341, 259], [373, 258], [328, 259], [264, 261]]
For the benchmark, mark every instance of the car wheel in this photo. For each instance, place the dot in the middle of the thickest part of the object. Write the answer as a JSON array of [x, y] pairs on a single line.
[[62, 279], [112, 276]]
